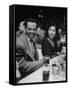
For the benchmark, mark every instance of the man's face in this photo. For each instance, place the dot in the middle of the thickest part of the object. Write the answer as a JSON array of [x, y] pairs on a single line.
[[31, 29]]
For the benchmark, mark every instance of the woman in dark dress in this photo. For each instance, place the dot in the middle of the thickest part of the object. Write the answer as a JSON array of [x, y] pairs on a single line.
[[49, 43]]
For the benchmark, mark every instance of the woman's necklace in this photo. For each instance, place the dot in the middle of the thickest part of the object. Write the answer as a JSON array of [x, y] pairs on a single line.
[[51, 42]]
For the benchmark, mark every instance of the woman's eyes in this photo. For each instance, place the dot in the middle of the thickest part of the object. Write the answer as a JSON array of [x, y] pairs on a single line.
[[53, 30], [29, 29]]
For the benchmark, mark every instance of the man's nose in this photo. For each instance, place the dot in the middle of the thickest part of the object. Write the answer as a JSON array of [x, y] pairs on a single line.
[[32, 31]]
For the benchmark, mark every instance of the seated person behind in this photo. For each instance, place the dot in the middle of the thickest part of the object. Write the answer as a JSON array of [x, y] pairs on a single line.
[[21, 29], [49, 43], [39, 37], [26, 52], [62, 39]]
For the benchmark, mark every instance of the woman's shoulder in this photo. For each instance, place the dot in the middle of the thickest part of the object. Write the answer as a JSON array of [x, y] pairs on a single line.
[[45, 39]]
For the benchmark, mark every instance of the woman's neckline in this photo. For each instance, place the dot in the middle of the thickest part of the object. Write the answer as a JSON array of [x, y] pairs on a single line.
[[51, 42]]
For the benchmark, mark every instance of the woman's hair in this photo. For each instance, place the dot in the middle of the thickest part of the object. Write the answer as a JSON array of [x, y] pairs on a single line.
[[47, 28]]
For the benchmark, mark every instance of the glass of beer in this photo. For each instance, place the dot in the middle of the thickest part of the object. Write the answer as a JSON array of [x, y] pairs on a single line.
[[46, 70], [46, 75]]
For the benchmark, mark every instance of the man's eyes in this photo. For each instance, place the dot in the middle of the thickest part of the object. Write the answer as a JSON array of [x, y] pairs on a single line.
[[31, 29]]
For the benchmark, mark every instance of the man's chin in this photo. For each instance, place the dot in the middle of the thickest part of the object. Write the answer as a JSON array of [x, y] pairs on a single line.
[[31, 38]]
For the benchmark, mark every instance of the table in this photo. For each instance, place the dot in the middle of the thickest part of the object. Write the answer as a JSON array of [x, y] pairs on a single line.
[[37, 76]]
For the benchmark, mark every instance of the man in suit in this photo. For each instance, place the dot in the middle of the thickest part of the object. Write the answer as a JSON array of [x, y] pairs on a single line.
[[26, 52]]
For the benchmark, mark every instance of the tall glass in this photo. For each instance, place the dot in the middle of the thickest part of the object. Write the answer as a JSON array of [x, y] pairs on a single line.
[[46, 70]]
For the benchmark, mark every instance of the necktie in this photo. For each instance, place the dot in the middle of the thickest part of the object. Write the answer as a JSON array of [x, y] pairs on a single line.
[[32, 48]]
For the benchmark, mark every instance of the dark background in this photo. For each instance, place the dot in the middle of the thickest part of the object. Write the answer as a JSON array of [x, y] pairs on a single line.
[[43, 14]]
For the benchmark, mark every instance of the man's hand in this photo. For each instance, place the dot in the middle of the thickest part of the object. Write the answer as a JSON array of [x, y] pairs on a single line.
[[44, 59], [17, 65], [18, 75]]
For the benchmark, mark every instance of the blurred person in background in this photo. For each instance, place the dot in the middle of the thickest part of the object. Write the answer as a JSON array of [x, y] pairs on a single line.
[[62, 39], [39, 37], [21, 29]]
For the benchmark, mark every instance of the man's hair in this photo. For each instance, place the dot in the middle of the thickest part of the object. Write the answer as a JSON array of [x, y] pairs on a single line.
[[30, 20]]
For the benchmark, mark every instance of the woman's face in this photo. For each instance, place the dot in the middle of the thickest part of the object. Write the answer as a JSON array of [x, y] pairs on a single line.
[[52, 32]]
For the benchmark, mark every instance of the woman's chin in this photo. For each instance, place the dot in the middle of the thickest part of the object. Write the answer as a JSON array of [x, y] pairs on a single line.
[[51, 37]]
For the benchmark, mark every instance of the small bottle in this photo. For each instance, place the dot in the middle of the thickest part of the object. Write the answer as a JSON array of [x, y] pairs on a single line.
[[55, 69]]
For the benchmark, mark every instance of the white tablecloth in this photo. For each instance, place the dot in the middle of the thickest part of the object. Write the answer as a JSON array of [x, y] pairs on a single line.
[[37, 76]]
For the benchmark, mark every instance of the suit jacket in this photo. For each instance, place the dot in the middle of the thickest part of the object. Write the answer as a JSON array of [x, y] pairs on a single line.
[[27, 64]]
